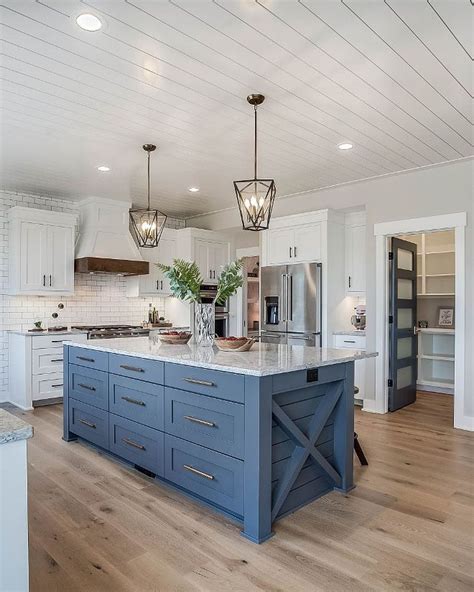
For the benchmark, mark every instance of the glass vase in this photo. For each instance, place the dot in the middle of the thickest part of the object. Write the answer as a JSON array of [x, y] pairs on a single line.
[[204, 324]]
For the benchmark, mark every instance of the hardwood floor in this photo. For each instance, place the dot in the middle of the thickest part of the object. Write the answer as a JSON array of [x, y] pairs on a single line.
[[96, 525]]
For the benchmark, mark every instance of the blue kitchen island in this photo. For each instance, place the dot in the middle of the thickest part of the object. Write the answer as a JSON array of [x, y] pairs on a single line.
[[255, 435]]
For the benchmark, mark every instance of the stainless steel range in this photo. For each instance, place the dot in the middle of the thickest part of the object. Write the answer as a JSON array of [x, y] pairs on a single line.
[[112, 331]]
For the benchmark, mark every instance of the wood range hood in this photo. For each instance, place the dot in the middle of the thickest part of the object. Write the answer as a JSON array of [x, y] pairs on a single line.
[[111, 266], [105, 244]]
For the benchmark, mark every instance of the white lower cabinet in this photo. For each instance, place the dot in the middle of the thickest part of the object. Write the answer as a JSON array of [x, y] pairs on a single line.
[[350, 341], [36, 367]]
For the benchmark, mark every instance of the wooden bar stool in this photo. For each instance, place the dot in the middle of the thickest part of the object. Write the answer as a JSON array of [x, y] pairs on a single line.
[[357, 447]]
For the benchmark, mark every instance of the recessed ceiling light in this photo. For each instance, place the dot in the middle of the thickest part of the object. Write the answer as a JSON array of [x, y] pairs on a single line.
[[103, 169], [89, 22], [193, 189], [345, 146]]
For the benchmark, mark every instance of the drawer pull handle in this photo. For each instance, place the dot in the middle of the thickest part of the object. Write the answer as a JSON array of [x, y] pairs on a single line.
[[57, 360], [57, 340], [85, 359], [349, 341], [87, 387], [88, 423], [209, 424], [131, 368], [198, 472], [56, 385], [200, 382], [134, 444], [134, 401]]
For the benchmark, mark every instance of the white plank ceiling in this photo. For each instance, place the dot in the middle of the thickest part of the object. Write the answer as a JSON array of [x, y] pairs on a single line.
[[393, 77]]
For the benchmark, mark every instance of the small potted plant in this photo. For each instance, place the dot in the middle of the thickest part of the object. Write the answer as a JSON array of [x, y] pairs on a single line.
[[185, 284]]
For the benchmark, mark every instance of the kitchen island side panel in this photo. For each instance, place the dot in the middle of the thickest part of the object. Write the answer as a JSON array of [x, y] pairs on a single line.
[[67, 435]]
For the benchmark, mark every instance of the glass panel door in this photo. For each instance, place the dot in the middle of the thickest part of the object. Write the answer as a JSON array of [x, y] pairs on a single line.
[[403, 337]]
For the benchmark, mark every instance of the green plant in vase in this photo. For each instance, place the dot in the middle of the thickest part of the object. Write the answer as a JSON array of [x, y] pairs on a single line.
[[185, 284]]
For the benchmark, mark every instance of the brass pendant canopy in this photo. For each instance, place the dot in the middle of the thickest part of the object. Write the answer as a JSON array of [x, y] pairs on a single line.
[[147, 225], [255, 196]]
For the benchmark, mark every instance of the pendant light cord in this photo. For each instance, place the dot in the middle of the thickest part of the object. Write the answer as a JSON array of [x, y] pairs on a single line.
[[255, 143], [148, 180]]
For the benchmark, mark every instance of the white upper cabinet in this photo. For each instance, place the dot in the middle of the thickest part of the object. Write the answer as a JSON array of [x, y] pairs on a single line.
[[292, 243], [41, 251], [355, 231], [210, 256], [155, 282], [208, 249], [307, 243]]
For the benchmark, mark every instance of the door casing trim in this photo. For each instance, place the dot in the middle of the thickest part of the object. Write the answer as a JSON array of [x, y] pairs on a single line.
[[383, 231]]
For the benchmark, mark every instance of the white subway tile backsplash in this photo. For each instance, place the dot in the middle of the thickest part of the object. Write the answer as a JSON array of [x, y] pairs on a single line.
[[98, 299]]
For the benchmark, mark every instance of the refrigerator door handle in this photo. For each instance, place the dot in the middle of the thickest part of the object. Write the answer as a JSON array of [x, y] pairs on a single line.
[[284, 295], [289, 297]]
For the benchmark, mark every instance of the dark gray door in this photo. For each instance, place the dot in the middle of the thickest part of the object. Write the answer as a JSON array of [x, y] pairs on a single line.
[[403, 338]]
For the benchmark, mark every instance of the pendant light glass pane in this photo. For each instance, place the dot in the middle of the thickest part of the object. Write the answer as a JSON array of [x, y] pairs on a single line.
[[255, 199], [147, 226]]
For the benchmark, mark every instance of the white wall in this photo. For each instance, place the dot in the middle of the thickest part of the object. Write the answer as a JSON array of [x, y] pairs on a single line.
[[430, 191], [98, 299]]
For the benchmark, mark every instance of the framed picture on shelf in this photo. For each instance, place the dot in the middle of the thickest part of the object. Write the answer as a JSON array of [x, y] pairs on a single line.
[[445, 317]]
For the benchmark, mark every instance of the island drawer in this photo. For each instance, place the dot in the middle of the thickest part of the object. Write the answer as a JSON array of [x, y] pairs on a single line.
[[139, 444], [216, 477], [135, 367], [89, 358], [89, 423], [214, 423], [88, 385], [137, 400], [224, 385]]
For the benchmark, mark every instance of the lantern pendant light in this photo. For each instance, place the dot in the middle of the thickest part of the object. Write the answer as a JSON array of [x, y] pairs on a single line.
[[255, 196], [147, 225]]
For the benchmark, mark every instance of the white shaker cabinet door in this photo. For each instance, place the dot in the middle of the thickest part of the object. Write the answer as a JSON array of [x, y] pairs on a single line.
[[355, 259], [166, 255], [220, 256], [280, 246], [201, 257], [60, 275], [307, 243], [33, 256]]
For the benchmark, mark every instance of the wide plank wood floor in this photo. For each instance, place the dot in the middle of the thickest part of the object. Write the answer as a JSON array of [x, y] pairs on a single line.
[[97, 525]]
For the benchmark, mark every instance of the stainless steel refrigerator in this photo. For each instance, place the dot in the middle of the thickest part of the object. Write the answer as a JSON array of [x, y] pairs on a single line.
[[290, 304]]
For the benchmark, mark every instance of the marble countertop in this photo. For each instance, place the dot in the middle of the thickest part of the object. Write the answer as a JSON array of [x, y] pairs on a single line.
[[263, 359], [352, 333], [13, 429], [36, 333]]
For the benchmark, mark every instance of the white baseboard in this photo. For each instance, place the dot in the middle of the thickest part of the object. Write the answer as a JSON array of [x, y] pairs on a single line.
[[465, 422], [372, 406]]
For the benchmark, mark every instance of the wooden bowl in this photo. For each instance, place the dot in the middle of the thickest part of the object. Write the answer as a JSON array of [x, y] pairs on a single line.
[[238, 345], [181, 339]]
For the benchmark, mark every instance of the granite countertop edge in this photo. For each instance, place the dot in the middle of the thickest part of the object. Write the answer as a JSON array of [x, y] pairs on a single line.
[[42, 333], [13, 429], [342, 356]]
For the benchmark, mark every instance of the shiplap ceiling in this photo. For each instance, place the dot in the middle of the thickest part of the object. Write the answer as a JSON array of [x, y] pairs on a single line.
[[392, 77]]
